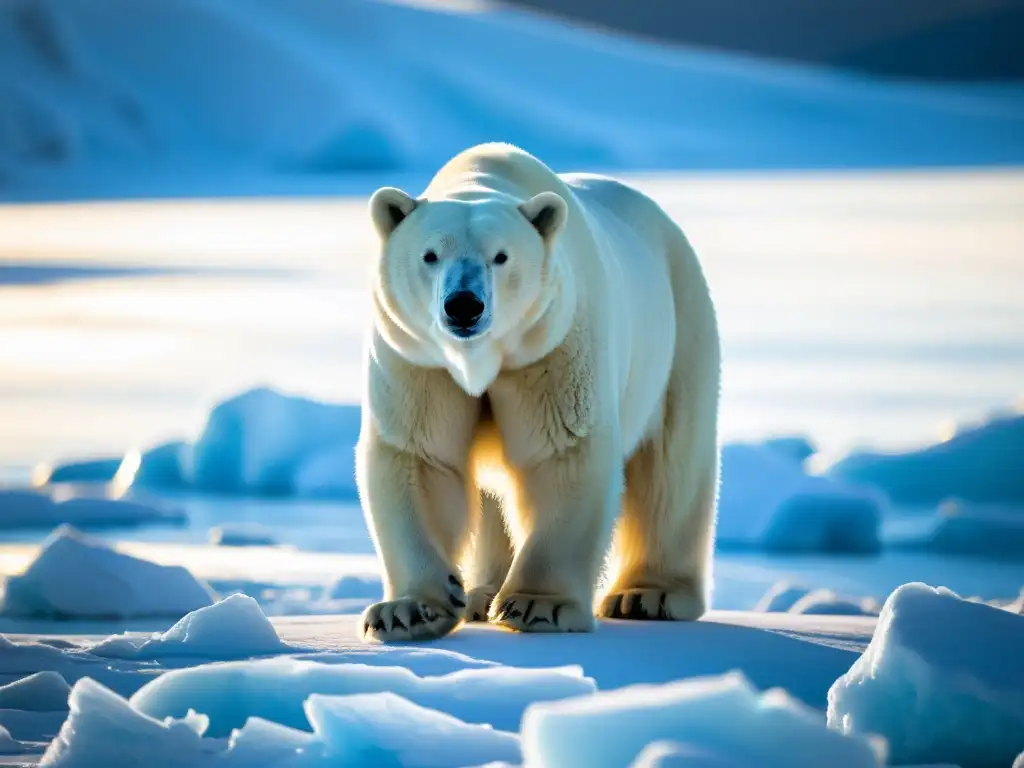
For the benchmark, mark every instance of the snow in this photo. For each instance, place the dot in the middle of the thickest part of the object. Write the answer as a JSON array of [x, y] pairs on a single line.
[[979, 463], [275, 689], [231, 628], [44, 691], [767, 500], [784, 597], [27, 509], [942, 681], [725, 715], [99, 95], [75, 576]]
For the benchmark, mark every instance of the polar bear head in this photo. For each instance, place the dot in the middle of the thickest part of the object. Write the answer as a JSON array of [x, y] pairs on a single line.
[[460, 282]]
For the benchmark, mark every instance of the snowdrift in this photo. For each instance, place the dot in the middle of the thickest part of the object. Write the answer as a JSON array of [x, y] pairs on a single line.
[[942, 681], [312, 89], [74, 576]]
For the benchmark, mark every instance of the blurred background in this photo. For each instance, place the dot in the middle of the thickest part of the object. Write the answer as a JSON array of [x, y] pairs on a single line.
[[184, 248]]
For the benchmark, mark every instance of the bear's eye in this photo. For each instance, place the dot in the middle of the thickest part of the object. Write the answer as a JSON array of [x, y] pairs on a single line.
[[430, 257], [500, 257]]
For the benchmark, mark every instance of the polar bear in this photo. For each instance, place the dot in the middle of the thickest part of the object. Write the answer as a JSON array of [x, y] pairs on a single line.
[[541, 404]]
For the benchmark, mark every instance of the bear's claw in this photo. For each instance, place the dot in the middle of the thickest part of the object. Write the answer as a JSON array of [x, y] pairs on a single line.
[[652, 605], [409, 618], [479, 602], [541, 613]]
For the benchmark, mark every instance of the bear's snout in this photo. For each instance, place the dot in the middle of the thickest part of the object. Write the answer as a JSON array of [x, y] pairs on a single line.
[[462, 310]]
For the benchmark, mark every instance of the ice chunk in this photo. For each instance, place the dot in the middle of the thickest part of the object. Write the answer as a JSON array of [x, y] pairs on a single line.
[[74, 576], [349, 587], [780, 597], [980, 463], [961, 528], [784, 597], [724, 716], [274, 689], [103, 729], [796, 447], [767, 501], [257, 441], [383, 729], [232, 628], [42, 692], [264, 743], [328, 474], [100, 470], [825, 602], [34, 509], [9, 745], [242, 535], [163, 466], [942, 680]]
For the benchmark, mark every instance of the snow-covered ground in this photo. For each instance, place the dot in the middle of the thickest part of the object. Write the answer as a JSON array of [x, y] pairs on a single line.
[[180, 382], [815, 346]]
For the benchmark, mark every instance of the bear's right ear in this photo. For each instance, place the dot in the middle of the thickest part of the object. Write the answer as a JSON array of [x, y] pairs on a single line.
[[388, 208]]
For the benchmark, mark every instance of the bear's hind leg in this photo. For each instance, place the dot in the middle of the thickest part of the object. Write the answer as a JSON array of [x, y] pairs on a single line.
[[663, 543], [491, 558]]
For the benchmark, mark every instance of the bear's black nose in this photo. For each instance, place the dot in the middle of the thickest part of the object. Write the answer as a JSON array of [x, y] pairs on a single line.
[[463, 309]]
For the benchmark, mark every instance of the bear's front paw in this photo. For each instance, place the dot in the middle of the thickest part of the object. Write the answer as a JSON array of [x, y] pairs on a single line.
[[416, 618], [644, 604], [541, 613], [408, 619], [478, 603]]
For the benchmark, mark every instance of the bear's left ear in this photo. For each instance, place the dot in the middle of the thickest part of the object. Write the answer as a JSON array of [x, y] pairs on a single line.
[[547, 212], [388, 208]]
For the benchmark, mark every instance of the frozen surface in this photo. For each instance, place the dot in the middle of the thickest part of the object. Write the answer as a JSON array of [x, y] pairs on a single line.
[[231, 628], [942, 681], [767, 500], [43, 691], [980, 463], [275, 689], [724, 715], [27, 509], [75, 576]]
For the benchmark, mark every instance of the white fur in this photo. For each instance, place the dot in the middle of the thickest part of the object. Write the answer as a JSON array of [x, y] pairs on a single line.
[[586, 411]]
